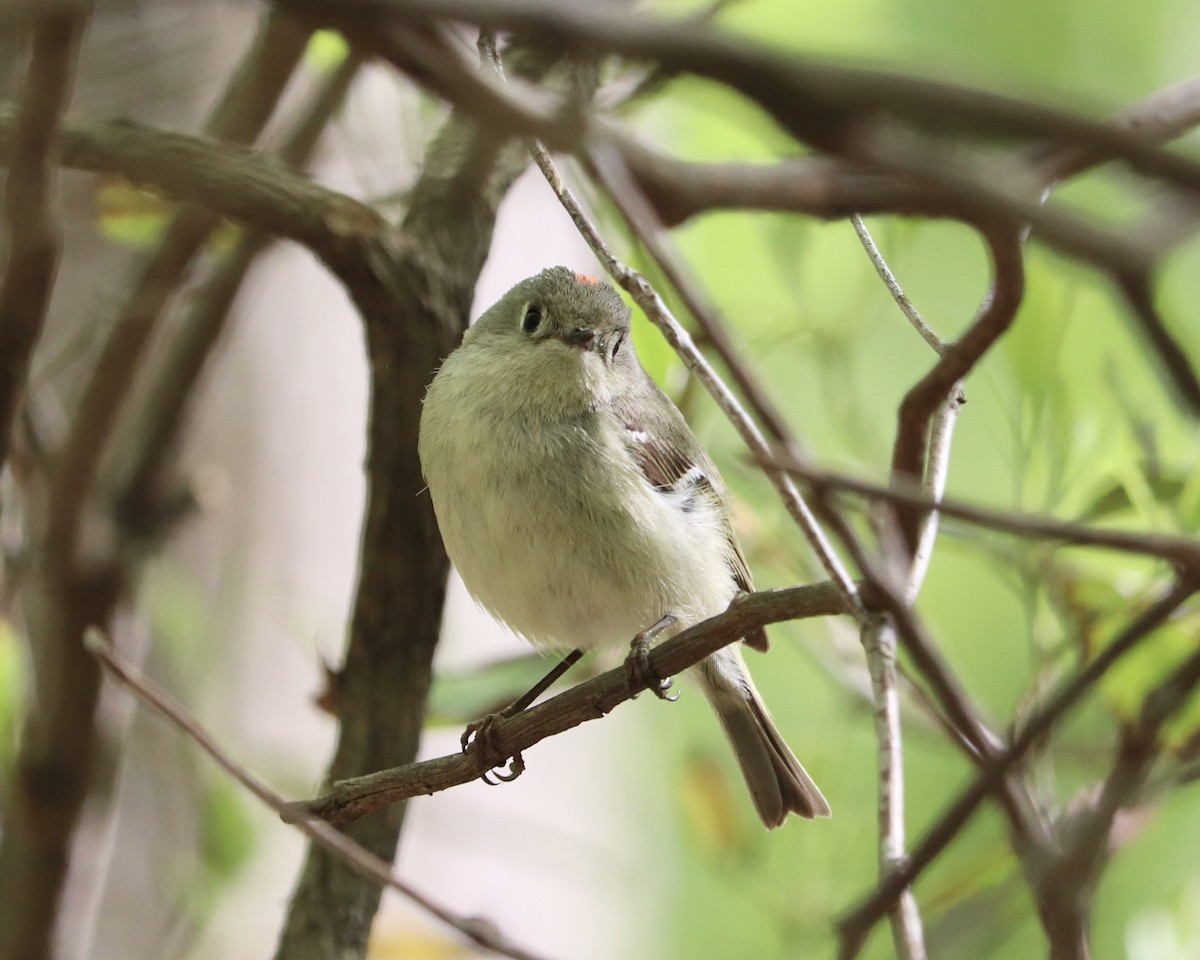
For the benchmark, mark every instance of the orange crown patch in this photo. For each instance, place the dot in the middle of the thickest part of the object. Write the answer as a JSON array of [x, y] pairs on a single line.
[[584, 278]]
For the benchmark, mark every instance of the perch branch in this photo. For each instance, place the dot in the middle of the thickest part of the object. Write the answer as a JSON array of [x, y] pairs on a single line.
[[356, 797]]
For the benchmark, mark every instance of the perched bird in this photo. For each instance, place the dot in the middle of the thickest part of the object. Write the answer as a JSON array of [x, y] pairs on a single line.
[[579, 508]]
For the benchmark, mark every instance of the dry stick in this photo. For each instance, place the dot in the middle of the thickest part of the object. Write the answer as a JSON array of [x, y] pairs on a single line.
[[356, 797], [855, 925], [910, 453], [33, 233], [910, 312], [480, 932], [1162, 116], [1135, 288], [879, 641], [199, 332], [617, 181], [239, 117], [648, 229], [937, 472], [1182, 551]]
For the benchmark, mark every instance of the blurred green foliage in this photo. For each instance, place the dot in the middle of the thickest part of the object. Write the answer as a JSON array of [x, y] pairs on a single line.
[[1068, 417]]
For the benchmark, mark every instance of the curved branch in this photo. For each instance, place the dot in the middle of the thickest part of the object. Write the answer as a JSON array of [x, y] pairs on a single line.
[[956, 361], [235, 182]]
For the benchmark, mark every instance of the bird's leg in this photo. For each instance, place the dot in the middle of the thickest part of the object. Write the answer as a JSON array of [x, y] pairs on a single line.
[[637, 664], [480, 734]]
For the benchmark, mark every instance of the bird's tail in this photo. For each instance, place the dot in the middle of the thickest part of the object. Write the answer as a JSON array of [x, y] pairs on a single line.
[[778, 784]]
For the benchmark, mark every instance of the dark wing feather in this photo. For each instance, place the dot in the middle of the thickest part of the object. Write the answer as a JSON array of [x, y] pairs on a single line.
[[667, 467]]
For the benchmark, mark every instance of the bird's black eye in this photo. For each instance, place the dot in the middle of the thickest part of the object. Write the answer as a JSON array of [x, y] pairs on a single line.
[[616, 346], [533, 316]]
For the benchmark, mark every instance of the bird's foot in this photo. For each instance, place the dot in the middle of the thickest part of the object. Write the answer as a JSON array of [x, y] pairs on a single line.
[[479, 739], [637, 664]]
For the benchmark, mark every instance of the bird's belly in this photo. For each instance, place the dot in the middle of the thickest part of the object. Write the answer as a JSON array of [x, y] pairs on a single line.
[[580, 570]]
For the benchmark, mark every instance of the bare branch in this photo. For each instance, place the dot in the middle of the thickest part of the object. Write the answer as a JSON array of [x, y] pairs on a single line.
[[879, 642], [230, 181], [1182, 376], [893, 286], [959, 358], [612, 173], [33, 235], [354, 798], [1182, 551], [478, 931], [1161, 117]]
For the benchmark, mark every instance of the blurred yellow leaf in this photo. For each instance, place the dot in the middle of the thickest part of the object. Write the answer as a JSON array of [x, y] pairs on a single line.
[[129, 215], [327, 49], [710, 810]]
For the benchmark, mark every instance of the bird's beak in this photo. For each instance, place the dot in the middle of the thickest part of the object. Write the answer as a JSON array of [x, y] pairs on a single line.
[[582, 337]]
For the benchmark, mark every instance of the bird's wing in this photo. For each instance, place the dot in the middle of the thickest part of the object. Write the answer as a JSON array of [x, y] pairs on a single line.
[[673, 470]]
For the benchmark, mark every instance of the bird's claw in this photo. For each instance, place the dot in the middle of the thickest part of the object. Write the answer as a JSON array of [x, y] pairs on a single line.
[[639, 673], [479, 739]]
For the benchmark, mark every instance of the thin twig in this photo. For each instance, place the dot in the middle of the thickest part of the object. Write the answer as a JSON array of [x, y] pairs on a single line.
[[617, 181], [653, 237], [356, 797], [857, 923], [1180, 373], [893, 285], [879, 643], [910, 453], [1178, 550], [480, 932], [33, 234]]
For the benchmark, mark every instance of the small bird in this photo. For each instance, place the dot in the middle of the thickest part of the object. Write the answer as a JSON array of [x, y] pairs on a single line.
[[580, 509]]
